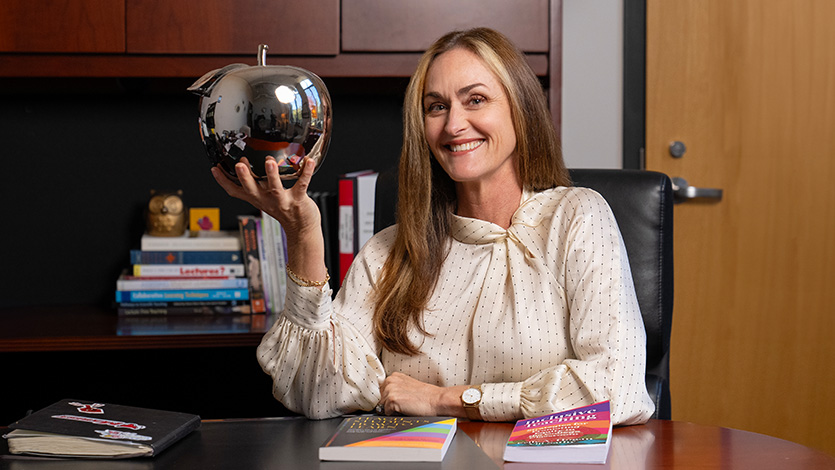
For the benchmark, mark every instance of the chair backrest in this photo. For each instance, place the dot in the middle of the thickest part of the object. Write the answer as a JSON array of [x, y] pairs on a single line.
[[642, 202]]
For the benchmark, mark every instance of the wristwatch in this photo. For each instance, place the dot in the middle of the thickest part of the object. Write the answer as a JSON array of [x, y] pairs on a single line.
[[471, 399]]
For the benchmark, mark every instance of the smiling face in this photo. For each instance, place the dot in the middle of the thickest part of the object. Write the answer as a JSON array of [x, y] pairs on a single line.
[[468, 121]]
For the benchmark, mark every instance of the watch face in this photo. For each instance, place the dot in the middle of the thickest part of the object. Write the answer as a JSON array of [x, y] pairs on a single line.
[[471, 396]]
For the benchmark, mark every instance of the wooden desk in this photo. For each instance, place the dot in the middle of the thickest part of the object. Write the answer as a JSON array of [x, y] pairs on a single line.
[[292, 443], [665, 444]]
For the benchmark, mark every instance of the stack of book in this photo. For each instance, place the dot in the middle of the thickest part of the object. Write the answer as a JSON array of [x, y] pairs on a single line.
[[225, 272], [197, 273]]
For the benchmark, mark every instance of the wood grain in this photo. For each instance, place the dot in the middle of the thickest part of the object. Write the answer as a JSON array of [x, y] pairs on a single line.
[[749, 87], [62, 26]]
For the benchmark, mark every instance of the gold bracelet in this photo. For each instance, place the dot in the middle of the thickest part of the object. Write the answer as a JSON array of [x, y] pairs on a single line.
[[305, 282]]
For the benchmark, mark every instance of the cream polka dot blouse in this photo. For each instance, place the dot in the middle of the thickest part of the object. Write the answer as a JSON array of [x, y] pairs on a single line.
[[542, 315]]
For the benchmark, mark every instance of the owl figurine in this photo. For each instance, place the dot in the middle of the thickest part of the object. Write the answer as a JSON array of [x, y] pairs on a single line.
[[166, 214]]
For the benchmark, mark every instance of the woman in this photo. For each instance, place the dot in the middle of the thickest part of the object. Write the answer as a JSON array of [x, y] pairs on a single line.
[[502, 292]]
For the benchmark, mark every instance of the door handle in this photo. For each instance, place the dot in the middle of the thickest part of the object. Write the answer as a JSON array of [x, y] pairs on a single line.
[[683, 192]]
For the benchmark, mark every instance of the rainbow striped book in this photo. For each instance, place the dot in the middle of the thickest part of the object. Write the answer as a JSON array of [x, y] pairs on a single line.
[[390, 439], [579, 435]]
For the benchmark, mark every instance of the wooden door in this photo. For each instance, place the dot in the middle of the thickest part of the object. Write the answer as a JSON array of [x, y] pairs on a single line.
[[749, 87]]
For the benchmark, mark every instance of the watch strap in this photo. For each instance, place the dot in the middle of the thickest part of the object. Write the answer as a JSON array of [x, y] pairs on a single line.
[[473, 414]]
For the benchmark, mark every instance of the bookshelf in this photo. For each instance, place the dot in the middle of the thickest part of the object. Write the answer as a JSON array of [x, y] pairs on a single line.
[[95, 328]]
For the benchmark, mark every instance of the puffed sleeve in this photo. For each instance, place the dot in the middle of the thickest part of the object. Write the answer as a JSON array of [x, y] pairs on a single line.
[[320, 353], [605, 330]]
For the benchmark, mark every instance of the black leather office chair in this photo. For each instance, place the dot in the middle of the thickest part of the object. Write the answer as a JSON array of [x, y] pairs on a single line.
[[642, 202]]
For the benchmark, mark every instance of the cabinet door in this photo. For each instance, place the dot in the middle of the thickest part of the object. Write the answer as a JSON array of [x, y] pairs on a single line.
[[62, 26], [296, 27], [411, 26]]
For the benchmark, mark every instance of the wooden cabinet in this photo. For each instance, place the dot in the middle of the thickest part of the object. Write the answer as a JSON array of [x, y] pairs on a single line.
[[181, 38], [83, 26], [410, 26], [289, 27]]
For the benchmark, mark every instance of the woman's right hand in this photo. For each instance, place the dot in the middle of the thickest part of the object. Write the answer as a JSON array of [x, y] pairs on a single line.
[[292, 207]]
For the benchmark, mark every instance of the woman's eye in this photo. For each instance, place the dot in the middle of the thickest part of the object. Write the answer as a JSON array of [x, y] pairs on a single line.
[[435, 108], [477, 100]]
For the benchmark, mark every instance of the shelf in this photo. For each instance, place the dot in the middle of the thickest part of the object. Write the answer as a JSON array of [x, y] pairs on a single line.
[[151, 65], [85, 327]]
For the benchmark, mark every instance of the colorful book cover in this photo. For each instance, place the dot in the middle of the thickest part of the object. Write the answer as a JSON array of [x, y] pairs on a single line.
[[189, 270], [390, 438], [180, 283], [579, 435], [181, 295], [185, 257], [218, 304], [252, 261]]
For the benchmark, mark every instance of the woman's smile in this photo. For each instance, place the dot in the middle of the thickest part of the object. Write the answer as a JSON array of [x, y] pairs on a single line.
[[464, 147]]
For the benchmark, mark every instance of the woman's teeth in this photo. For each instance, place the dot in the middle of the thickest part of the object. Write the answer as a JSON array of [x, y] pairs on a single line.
[[465, 147]]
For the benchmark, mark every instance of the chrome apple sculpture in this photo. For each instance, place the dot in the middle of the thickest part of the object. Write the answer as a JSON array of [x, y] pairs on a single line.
[[254, 112]]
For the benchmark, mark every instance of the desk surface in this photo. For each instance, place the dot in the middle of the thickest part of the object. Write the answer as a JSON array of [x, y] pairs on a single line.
[[292, 443], [662, 444]]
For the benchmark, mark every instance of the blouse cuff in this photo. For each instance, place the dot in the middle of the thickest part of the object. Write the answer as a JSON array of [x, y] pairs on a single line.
[[501, 401], [308, 307]]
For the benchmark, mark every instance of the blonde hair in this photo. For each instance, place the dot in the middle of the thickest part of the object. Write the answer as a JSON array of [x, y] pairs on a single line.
[[426, 194]]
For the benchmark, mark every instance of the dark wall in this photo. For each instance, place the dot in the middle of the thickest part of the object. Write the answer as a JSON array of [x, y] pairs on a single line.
[[81, 155], [211, 382]]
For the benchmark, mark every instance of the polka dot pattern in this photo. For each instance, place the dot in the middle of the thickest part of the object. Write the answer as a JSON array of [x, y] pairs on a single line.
[[543, 315]]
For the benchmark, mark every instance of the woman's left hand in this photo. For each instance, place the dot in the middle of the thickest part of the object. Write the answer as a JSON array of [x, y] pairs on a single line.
[[401, 394]]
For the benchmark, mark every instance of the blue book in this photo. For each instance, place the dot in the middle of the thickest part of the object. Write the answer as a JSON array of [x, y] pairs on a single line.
[[186, 295], [185, 257], [125, 284]]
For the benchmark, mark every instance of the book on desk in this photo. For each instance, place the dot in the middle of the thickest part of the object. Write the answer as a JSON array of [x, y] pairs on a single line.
[[579, 435], [390, 439], [85, 429]]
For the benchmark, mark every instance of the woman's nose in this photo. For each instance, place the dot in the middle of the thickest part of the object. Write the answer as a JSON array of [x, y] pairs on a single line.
[[456, 121]]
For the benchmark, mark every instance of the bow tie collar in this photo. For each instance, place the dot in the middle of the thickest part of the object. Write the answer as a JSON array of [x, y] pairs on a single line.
[[481, 232]]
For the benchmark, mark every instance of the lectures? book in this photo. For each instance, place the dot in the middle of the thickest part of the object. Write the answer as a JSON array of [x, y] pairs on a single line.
[[579, 435], [77, 428], [390, 439]]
